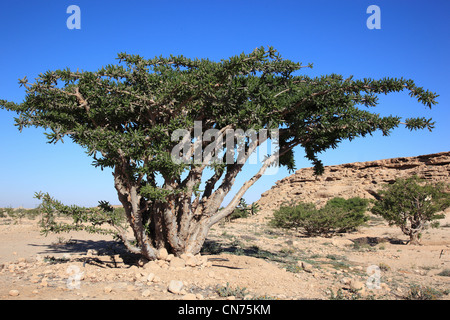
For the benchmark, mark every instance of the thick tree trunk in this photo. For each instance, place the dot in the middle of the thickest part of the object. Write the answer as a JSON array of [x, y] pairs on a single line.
[[413, 229], [414, 238], [180, 223], [162, 224]]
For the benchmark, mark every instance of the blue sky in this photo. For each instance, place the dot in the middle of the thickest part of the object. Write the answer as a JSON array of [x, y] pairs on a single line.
[[413, 42]]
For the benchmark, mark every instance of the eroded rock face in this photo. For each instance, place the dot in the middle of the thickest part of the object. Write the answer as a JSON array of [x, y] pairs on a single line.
[[358, 179]]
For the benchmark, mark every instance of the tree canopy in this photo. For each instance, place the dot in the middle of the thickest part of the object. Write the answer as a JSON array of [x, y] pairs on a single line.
[[125, 116]]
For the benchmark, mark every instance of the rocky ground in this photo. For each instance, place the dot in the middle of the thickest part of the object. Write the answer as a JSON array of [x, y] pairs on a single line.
[[242, 259]]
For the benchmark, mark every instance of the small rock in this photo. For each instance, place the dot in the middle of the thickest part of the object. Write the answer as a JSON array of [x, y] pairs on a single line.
[[66, 256], [191, 261], [177, 263], [92, 252], [202, 260], [146, 293], [151, 265], [189, 296], [44, 282], [14, 293], [175, 286], [356, 285], [150, 277], [162, 254], [107, 289], [161, 263]]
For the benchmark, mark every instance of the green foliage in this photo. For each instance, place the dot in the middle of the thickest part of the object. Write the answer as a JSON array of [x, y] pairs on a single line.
[[130, 110], [338, 215], [410, 203], [87, 219], [124, 115], [243, 210], [18, 214], [228, 291]]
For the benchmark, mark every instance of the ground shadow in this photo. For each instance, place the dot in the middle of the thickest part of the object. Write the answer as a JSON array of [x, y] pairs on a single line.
[[81, 247], [373, 241]]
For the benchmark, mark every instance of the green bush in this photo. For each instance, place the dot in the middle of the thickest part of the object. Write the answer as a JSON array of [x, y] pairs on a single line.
[[243, 210], [410, 203], [337, 216]]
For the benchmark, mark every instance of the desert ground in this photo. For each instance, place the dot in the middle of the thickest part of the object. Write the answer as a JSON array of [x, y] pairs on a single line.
[[242, 259]]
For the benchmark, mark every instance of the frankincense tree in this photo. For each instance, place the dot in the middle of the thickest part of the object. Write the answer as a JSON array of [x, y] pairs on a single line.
[[126, 116]]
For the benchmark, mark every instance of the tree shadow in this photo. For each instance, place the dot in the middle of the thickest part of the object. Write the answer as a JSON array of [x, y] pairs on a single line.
[[213, 247], [373, 241], [101, 248]]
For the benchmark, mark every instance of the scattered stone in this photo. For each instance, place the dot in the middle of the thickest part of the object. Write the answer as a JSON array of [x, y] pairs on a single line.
[[14, 293], [151, 265], [44, 282], [161, 263], [177, 262], [189, 296], [199, 296], [107, 289], [190, 260], [163, 254], [356, 285], [146, 293], [92, 252], [150, 277], [175, 286]]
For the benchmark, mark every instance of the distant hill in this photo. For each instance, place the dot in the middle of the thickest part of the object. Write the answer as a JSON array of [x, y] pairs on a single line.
[[361, 179]]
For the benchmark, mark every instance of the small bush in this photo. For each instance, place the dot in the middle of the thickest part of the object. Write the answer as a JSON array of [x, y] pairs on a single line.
[[423, 293], [411, 203], [444, 273], [227, 291], [338, 215]]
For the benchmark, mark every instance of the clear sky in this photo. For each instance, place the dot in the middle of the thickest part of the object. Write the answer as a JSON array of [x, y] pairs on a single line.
[[413, 42]]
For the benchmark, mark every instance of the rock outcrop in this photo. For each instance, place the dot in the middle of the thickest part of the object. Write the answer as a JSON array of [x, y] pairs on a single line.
[[358, 179]]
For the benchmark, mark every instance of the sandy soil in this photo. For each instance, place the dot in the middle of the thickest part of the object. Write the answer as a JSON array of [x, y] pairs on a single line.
[[247, 259]]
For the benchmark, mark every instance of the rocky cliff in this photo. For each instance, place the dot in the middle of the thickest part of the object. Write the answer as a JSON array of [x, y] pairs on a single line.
[[358, 179]]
